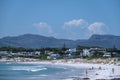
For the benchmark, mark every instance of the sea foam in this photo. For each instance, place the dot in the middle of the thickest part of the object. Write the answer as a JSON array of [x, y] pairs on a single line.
[[28, 68]]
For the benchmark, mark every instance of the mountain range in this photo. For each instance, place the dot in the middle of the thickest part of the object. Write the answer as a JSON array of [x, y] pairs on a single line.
[[38, 41]]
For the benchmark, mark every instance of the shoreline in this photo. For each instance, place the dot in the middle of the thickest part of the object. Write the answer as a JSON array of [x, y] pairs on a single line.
[[94, 71]]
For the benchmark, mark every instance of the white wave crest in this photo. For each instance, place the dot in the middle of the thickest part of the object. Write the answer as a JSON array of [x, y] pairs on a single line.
[[28, 68]]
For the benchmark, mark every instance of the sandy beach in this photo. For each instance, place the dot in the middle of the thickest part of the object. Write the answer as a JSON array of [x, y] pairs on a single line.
[[93, 71], [96, 73]]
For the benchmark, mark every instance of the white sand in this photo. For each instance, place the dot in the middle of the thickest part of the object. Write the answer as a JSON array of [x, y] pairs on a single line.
[[104, 73]]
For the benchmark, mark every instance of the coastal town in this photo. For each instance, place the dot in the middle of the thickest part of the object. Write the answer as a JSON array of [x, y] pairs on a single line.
[[81, 52]]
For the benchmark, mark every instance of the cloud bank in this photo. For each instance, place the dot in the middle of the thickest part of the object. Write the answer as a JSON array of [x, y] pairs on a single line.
[[73, 29], [77, 29]]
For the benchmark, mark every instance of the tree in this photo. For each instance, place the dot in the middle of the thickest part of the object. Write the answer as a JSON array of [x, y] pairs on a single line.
[[97, 54], [64, 47], [114, 47]]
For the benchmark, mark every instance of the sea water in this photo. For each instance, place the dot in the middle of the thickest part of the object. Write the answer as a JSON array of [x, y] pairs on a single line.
[[18, 71]]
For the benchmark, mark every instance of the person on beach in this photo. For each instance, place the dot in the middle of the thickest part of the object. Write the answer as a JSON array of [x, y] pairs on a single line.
[[113, 70], [86, 72], [92, 67], [100, 68]]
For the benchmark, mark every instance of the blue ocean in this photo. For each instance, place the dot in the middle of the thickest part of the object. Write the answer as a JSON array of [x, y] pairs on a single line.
[[18, 71]]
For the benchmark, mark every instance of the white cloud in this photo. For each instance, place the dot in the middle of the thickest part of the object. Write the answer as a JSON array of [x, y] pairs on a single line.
[[97, 28], [43, 28], [75, 23], [75, 28]]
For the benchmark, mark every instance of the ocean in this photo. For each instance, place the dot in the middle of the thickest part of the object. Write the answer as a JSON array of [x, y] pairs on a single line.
[[23, 71]]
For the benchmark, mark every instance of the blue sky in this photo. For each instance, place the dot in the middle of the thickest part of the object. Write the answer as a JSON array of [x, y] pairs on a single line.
[[68, 19]]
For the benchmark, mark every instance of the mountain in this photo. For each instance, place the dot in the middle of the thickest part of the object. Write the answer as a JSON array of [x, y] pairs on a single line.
[[38, 41], [33, 41], [101, 40]]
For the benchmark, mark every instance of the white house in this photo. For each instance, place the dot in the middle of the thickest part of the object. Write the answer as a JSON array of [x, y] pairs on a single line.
[[70, 55], [37, 52], [5, 53], [89, 52], [53, 56], [70, 50], [49, 52], [107, 54], [86, 52]]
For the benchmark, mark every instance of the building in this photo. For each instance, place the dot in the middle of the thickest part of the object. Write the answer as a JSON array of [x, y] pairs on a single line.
[[86, 52], [71, 50], [107, 54], [91, 51], [54, 56]]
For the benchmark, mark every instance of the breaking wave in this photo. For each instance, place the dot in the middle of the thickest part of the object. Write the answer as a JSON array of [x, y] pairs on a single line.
[[28, 68]]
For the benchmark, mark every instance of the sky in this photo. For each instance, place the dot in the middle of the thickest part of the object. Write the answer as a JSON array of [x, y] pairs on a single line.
[[63, 19]]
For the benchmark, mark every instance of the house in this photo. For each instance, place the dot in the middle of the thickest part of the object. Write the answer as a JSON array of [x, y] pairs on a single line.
[[107, 54], [5, 54], [54, 56], [91, 51], [115, 53], [37, 53], [86, 52], [70, 50], [17, 54], [70, 55], [48, 52]]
